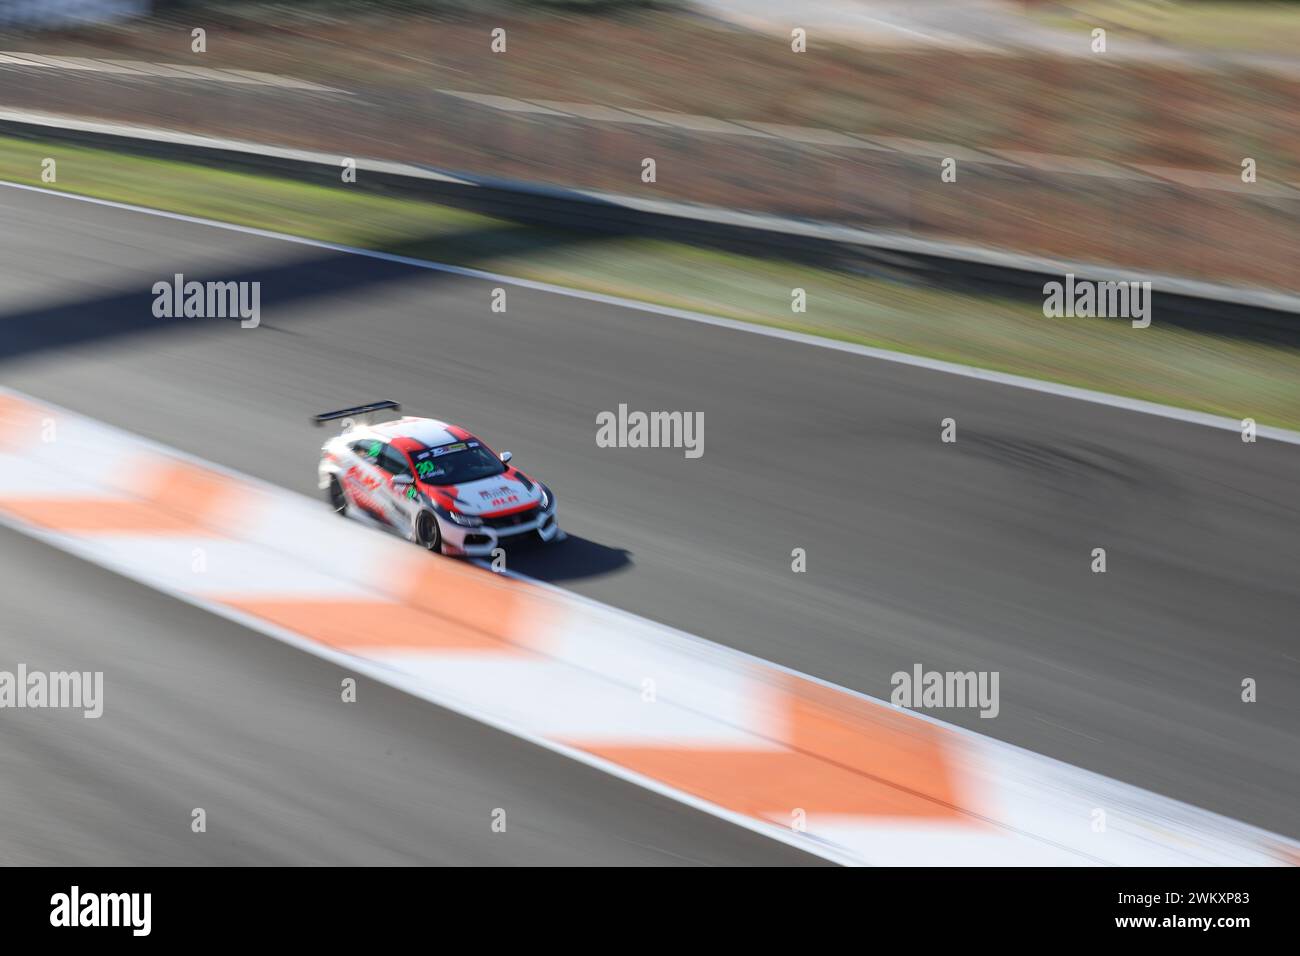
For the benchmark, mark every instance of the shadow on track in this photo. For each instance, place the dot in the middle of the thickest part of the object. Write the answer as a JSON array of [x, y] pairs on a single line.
[[567, 560], [309, 274]]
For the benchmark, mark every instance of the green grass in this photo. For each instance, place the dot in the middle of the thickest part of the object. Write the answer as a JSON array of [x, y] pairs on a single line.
[[1240, 26], [1219, 374]]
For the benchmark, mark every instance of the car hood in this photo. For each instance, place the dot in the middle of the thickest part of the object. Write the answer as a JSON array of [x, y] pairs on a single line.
[[500, 494]]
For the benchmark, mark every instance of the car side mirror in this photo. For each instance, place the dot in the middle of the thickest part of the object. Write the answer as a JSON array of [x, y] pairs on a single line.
[[506, 456]]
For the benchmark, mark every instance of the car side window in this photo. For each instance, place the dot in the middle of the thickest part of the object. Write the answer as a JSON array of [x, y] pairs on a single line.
[[369, 449], [394, 462]]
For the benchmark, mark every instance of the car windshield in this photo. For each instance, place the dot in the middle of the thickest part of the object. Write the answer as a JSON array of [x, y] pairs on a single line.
[[456, 464]]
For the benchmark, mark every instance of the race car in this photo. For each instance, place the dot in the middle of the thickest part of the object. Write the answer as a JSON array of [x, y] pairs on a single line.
[[433, 483]]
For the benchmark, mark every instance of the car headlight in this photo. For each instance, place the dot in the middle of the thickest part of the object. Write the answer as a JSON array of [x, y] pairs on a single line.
[[466, 521], [546, 499]]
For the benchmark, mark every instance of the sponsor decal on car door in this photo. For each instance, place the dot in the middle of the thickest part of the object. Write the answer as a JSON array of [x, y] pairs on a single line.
[[368, 484]]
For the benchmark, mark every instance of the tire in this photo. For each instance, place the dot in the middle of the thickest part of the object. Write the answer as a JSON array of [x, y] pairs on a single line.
[[337, 499], [427, 533]]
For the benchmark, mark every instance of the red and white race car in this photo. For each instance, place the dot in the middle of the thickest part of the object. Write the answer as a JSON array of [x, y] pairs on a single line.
[[432, 483]]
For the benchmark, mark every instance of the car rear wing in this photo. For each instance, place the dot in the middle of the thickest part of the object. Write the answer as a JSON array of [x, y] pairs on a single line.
[[356, 412]]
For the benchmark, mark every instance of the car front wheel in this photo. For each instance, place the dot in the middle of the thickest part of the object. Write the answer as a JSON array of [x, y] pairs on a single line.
[[338, 501], [427, 532]]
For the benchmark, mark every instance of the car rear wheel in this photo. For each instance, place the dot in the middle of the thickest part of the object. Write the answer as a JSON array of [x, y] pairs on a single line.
[[427, 532], [338, 500]]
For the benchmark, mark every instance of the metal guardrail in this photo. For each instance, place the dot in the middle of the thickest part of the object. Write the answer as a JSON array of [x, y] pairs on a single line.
[[1269, 314]]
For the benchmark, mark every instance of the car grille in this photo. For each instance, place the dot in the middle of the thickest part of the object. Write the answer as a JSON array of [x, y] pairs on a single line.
[[514, 520]]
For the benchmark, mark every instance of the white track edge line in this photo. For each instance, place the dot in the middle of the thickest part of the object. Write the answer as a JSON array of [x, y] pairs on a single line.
[[1141, 406]]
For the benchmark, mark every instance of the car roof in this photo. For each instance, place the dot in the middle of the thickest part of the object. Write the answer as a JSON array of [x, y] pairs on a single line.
[[427, 431]]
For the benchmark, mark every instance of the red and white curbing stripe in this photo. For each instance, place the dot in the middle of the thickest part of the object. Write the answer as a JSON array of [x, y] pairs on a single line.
[[837, 773]]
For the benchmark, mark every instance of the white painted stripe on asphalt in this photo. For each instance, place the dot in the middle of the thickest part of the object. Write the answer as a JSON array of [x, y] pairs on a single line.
[[511, 686], [930, 844], [204, 564], [900, 358], [23, 476]]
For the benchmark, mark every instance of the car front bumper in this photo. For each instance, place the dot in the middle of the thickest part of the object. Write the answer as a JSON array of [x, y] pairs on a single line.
[[481, 542]]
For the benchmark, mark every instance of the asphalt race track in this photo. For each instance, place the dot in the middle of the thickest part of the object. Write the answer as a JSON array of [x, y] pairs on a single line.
[[207, 714], [973, 555]]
